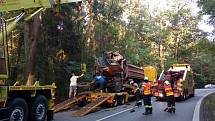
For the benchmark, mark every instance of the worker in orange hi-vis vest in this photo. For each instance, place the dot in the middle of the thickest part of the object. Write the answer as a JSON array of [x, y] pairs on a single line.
[[169, 95], [147, 96]]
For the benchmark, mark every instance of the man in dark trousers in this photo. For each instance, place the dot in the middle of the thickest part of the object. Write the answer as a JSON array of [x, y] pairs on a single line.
[[147, 96], [101, 82], [169, 94], [137, 94]]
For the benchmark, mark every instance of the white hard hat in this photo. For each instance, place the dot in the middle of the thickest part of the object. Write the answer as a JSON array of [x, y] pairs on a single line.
[[166, 82], [131, 82], [135, 84], [146, 78]]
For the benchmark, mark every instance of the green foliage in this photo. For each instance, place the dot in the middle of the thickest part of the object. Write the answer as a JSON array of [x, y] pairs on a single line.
[[208, 9], [73, 67], [209, 108], [203, 62]]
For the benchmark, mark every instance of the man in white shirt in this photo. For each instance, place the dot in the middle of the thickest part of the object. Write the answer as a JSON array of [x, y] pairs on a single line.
[[73, 85]]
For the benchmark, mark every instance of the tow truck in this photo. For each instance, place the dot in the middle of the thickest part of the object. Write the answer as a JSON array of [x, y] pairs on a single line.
[[23, 102], [181, 80]]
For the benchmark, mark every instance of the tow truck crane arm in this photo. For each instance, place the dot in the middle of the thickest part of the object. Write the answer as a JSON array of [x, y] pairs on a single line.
[[11, 5]]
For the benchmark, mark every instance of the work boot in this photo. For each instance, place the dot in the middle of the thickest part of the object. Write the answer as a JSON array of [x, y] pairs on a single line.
[[139, 104], [150, 111], [173, 109], [132, 111], [165, 109], [169, 110], [146, 113]]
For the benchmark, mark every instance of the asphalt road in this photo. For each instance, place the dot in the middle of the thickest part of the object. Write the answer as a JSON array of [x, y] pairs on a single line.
[[184, 112]]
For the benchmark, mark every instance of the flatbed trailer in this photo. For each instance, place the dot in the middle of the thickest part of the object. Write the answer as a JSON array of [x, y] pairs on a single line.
[[96, 99], [91, 100]]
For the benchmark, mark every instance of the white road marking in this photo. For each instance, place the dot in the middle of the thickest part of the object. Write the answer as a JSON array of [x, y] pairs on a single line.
[[196, 115], [120, 112], [114, 114]]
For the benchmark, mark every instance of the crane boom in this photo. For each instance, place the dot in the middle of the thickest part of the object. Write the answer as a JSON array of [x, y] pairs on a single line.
[[11, 5], [5, 28]]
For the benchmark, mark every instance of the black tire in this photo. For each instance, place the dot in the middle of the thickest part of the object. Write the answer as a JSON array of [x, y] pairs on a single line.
[[186, 94], [115, 102], [122, 100], [183, 97], [192, 95], [39, 108], [193, 92], [157, 98], [18, 110]]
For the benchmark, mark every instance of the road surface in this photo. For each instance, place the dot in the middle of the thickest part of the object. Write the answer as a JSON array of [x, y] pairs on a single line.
[[184, 112]]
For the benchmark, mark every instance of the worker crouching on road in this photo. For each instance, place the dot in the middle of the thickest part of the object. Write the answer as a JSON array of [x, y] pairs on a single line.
[[137, 94], [147, 96], [169, 95]]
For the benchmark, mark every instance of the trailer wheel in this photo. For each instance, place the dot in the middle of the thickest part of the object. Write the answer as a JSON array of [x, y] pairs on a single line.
[[39, 108], [122, 100], [115, 102], [18, 110]]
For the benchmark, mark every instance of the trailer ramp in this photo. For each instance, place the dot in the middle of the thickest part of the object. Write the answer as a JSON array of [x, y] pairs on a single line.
[[68, 103], [88, 108]]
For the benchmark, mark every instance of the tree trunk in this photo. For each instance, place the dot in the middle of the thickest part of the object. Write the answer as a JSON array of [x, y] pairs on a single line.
[[90, 28], [32, 51], [176, 47], [161, 56]]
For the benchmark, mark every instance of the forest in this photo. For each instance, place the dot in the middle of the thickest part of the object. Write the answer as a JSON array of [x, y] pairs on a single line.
[[52, 45]]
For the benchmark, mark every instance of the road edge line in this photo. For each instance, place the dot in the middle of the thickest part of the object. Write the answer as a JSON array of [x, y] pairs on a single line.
[[114, 114], [196, 115]]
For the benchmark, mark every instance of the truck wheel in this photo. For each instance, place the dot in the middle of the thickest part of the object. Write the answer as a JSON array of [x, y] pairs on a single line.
[[193, 92], [18, 110], [187, 94], [39, 108], [192, 95], [157, 98], [184, 97]]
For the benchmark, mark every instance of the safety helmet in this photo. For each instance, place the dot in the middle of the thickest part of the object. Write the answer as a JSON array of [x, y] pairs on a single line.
[[146, 79], [135, 85], [131, 82], [166, 82]]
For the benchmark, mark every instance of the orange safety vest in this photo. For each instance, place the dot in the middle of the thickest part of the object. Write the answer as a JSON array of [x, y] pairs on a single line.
[[147, 88], [168, 90]]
